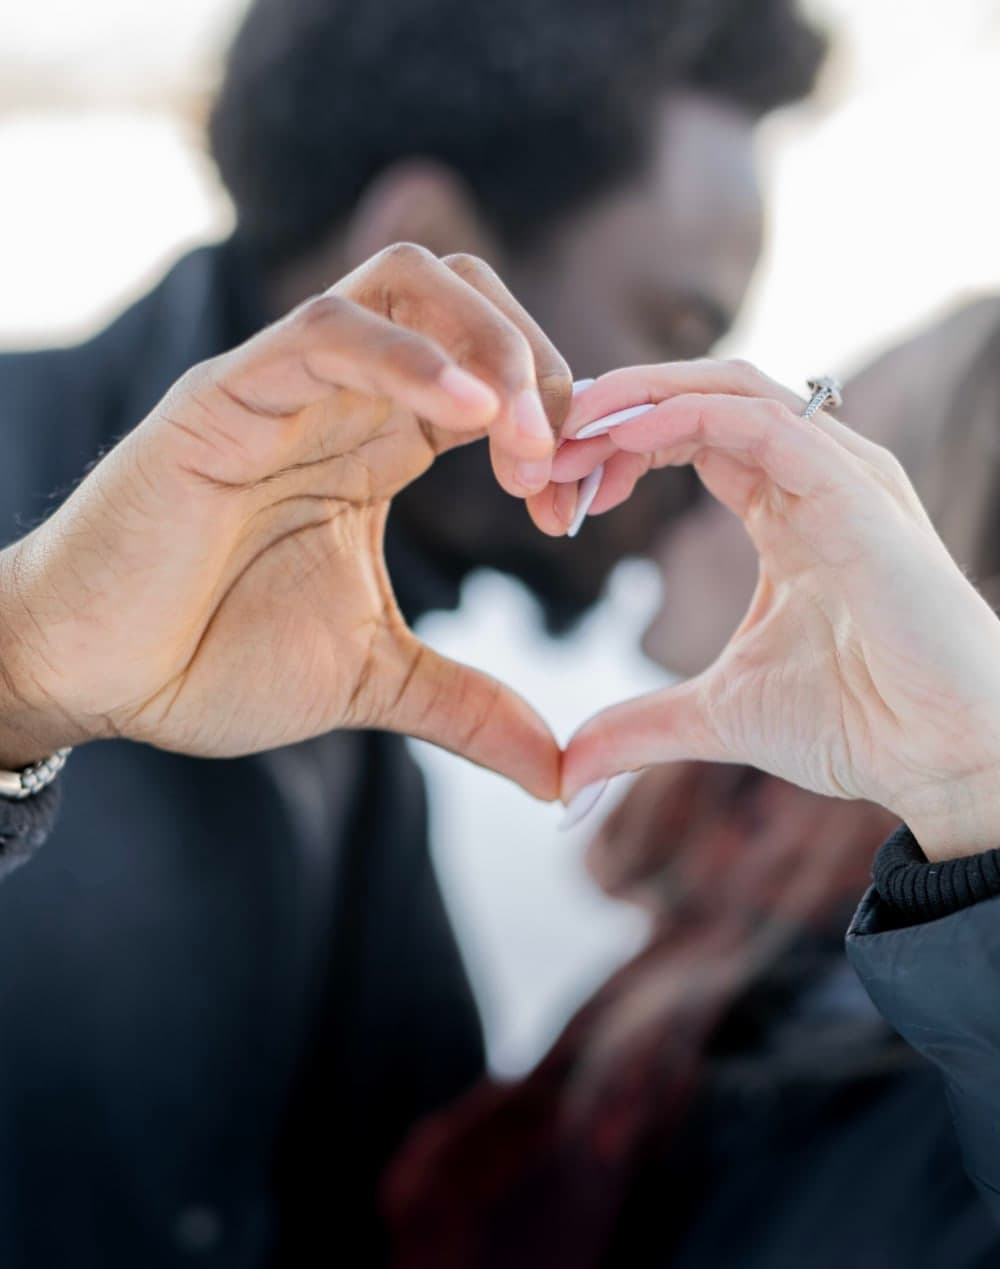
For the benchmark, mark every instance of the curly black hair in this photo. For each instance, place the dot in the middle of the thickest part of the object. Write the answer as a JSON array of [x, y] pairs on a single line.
[[537, 104]]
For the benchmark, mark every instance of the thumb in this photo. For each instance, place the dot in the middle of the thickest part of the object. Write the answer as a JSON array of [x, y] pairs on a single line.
[[475, 716], [671, 725]]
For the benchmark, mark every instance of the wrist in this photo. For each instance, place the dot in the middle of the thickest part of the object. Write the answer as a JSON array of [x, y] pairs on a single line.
[[958, 818], [31, 726], [28, 734]]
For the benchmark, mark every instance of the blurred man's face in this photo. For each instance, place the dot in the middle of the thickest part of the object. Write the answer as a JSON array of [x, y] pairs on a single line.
[[653, 271], [657, 269]]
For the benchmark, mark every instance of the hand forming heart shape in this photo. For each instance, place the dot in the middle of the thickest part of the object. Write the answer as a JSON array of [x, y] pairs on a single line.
[[217, 585], [867, 665]]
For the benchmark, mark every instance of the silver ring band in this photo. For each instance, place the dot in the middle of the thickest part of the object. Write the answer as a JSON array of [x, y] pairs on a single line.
[[825, 391]]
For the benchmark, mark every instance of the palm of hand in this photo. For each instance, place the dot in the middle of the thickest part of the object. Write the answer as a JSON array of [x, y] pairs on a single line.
[[264, 598], [821, 687], [843, 678]]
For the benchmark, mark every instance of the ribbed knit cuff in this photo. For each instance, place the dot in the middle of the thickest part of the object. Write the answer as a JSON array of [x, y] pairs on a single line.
[[919, 890], [24, 826]]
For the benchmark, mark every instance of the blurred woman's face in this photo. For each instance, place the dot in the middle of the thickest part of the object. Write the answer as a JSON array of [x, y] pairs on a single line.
[[708, 569]]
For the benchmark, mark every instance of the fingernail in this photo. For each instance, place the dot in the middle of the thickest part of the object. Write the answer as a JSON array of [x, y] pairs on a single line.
[[533, 475], [467, 390], [589, 490], [565, 501], [580, 384], [529, 416], [581, 804], [600, 426]]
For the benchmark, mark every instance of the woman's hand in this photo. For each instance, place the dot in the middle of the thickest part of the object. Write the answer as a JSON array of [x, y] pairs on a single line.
[[867, 665], [216, 585]]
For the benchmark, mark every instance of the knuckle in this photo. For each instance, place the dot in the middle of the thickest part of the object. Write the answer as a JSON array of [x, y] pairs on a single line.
[[200, 377], [890, 464], [515, 339], [500, 342], [410, 356], [771, 414], [518, 356], [890, 468], [773, 420], [198, 392], [406, 257], [321, 312], [466, 265], [742, 372]]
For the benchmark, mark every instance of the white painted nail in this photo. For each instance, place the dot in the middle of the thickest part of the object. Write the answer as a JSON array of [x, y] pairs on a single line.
[[582, 803], [600, 426], [589, 489], [580, 384]]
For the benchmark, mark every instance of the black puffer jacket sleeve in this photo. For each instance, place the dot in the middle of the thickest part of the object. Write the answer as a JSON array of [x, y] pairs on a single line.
[[937, 982], [24, 826]]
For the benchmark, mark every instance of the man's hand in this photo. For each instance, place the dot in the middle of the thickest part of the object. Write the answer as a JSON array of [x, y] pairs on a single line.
[[217, 586]]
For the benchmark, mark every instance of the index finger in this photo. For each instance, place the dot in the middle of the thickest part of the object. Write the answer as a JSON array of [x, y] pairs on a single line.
[[551, 373], [738, 445], [649, 385], [491, 336]]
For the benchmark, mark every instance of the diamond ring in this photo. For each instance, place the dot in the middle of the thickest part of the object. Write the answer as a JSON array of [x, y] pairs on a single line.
[[825, 391]]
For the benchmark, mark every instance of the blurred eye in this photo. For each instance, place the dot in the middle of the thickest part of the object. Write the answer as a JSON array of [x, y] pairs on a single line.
[[685, 326], [692, 334]]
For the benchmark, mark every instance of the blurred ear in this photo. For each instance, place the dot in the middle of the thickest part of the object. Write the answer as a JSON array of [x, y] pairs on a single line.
[[417, 201]]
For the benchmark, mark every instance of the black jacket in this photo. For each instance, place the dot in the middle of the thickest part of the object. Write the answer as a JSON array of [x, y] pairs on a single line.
[[228, 987], [823, 1139]]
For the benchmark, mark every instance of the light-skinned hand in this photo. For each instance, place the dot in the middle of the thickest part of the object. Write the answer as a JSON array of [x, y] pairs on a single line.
[[867, 666]]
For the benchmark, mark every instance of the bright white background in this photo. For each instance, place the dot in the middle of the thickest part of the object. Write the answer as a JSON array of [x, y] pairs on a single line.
[[884, 208]]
